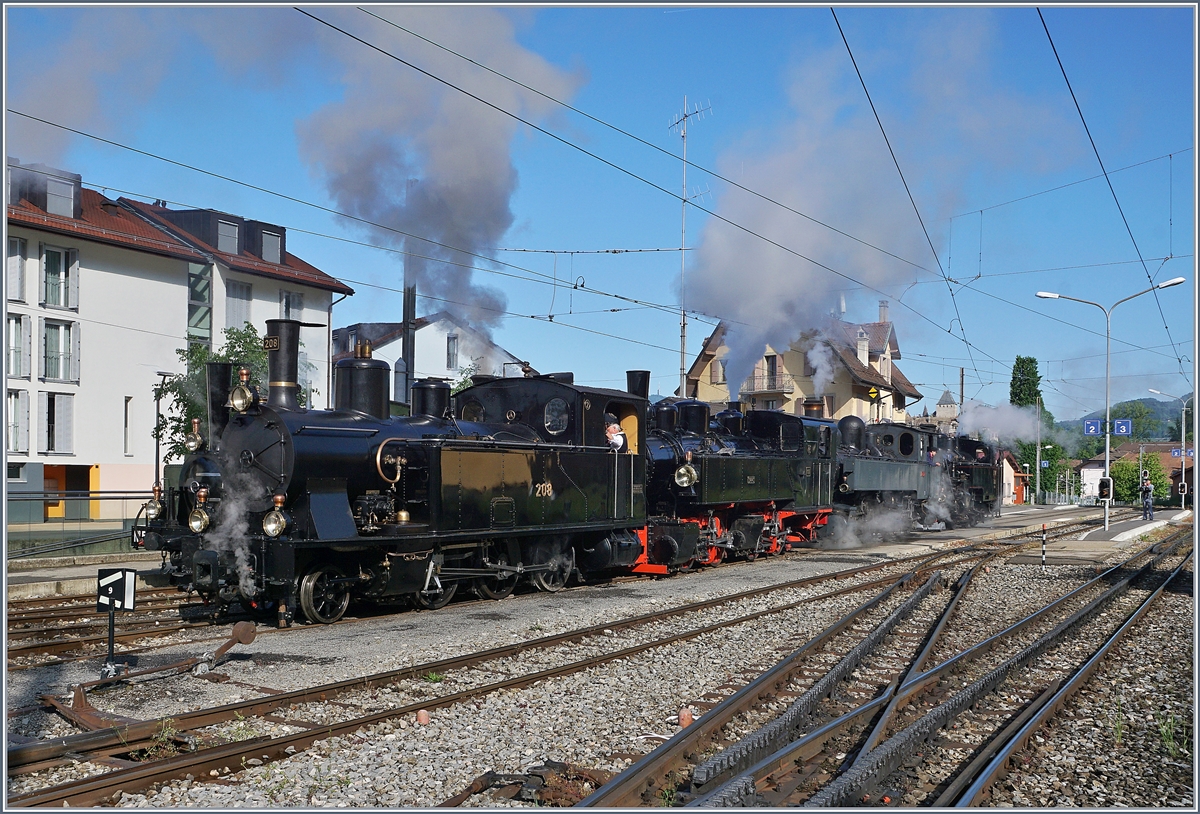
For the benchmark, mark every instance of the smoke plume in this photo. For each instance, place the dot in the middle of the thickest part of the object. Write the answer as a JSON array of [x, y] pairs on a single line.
[[397, 148], [949, 116], [1006, 422]]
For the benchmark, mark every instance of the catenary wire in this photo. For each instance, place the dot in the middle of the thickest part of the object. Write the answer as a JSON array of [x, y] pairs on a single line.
[[633, 175], [642, 141], [1108, 180]]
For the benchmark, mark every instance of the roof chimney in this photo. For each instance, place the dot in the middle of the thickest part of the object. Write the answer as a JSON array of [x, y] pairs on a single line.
[[863, 348], [883, 310]]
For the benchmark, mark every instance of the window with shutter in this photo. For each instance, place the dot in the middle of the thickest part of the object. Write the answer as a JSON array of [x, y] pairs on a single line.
[[16, 269], [23, 423], [227, 237], [26, 345], [64, 411], [291, 304], [11, 421], [452, 352], [14, 344], [270, 247], [60, 350], [44, 421], [56, 277], [199, 304]]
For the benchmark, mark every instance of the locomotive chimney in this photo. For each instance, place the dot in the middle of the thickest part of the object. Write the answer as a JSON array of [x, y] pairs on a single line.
[[637, 382], [282, 344]]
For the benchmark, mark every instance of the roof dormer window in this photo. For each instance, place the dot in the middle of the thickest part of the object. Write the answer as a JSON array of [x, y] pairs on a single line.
[[271, 247], [227, 237], [60, 197]]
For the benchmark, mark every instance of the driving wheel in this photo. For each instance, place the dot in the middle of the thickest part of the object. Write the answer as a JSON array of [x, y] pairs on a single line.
[[503, 583], [435, 601], [555, 577], [323, 597]]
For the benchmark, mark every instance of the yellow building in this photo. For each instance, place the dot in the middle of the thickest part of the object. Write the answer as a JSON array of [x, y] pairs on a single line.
[[838, 370]]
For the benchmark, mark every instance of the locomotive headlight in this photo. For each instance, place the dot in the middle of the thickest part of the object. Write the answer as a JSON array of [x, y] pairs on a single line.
[[198, 520], [275, 523], [241, 398], [153, 509], [685, 476], [193, 441]]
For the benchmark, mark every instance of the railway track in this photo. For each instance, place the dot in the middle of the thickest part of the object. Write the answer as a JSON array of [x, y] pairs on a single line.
[[210, 740], [202, 730], [868, 749]]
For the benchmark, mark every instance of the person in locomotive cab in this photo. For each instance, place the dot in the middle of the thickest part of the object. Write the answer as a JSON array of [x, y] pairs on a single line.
[[1147, 492], [616, 436]]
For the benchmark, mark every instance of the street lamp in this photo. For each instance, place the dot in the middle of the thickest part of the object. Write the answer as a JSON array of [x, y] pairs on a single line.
[[1182, 444], [1048, 295]]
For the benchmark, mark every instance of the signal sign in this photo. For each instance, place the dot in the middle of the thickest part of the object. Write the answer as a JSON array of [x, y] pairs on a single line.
[[1091, 426], [114, 589], [1122, 426], [873, 393]]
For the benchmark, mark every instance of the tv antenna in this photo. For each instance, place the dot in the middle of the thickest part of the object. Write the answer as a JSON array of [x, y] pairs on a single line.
[[680, 123]]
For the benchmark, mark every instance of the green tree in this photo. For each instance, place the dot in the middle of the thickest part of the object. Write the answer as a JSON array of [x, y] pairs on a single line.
[[1024, 390], [1145, 424], [1173, 425], [1057, 467], [1127, 479], [185, 395], [464, 378]]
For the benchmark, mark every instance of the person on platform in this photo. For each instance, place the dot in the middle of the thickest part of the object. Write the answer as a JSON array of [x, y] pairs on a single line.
[[616, 436], [1147, 492]]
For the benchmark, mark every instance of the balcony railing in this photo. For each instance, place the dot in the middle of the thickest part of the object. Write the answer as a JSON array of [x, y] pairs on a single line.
[[767, 383]]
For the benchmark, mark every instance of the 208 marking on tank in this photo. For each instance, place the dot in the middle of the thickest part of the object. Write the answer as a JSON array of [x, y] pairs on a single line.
[[545, 489], [270, 343]]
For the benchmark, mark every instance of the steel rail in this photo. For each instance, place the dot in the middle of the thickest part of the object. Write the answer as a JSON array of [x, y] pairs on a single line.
[[95, 790], [1000, 752], [626, 788], [21, 754], [886, 757]]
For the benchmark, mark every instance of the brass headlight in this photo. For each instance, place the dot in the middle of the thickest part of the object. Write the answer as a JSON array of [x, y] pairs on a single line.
[[193, 441], [241, 398], [685, 476], [198, 520], [275, 523], [153, 509]]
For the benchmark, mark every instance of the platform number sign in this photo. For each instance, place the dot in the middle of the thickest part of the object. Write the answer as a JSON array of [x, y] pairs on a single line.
[[1091, 426], [1122, 426], [114, 589]]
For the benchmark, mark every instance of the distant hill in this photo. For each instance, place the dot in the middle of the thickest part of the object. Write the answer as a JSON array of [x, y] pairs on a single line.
[[1163, 413]]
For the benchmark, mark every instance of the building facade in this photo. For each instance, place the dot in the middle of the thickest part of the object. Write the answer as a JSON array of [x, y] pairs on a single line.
[[100, 294], [843, 369]]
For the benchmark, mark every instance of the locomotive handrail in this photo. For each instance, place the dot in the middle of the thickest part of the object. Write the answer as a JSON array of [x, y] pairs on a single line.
[[379, 462], [338, 430]]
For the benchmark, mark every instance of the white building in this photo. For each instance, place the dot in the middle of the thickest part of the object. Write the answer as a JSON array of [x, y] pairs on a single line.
[[100, 295], [445, 347]]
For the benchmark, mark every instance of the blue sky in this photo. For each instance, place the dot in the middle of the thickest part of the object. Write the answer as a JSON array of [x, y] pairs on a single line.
[[972, 100]]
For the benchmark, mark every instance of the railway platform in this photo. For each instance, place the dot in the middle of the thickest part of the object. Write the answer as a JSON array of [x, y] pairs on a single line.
[[65, 576]]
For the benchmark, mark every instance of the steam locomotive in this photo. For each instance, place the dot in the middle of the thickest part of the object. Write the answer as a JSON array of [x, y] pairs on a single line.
[[277, 507]]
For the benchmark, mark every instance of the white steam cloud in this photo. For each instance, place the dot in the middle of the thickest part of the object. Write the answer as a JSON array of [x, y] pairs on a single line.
[[948, 115], [1006, 422]]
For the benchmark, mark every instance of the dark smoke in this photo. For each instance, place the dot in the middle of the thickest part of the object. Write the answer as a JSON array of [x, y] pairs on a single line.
[[397, 148]]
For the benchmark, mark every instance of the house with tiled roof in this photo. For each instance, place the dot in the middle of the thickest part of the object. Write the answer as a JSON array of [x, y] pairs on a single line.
[[444, 347], [100, 294], [842, 369]]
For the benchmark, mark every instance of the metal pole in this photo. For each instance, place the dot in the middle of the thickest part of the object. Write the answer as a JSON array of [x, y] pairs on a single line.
[[1043, 547], [682, 262], [1037, 471], [1107, 404]]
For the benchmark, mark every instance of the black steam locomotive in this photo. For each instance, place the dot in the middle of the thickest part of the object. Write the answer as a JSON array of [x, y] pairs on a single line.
[[917, 473], [514, 478]]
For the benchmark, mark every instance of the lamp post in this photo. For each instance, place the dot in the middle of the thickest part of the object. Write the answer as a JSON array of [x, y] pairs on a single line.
[[1049, 295], [1182, 444]]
